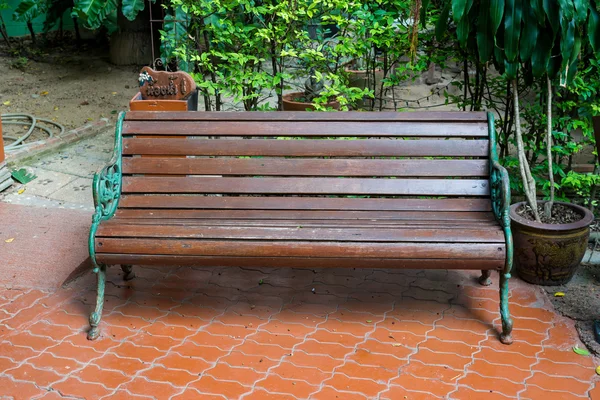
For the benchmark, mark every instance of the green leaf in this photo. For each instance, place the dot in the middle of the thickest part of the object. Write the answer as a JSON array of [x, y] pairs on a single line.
[[22, 176], [512, 29], [580, 351], [442, 24], [567, 42], [496, 14], [462, 31], [538, 10], [458, 9], [541, 53], [131, 8], [485, 39], [567, 10], [581, 10], [593, 29], [511, 69], [552, 13], [28, 10], [93, 12], [529, 35], [423, 17]]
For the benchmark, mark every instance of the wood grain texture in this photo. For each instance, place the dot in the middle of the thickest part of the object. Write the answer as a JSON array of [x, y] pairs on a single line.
[[299, 262], [255, 248], [305, 167], [347, 186], [305, 215], [306, 148], [301, 203], [388, 117], [483, 234], [312, 128]]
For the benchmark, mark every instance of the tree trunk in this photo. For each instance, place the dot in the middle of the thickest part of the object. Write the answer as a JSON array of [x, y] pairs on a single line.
[[549, 204], [31, 32], [528, 182], [131, 44]]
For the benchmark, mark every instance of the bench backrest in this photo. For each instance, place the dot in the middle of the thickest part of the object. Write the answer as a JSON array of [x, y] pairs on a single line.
[[304, 160]]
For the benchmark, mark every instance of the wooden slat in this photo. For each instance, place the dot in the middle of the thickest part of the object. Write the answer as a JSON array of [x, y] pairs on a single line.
[[192, 231], [303, 215], [437, 116], [313, 128], [298, 262], [301, 203], [307, 148], [348, 186], [305, 167], [308, 223], [250, 248]]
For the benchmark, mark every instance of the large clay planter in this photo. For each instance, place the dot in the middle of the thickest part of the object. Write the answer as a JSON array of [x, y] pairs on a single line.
[[549, 254], [290, 105]]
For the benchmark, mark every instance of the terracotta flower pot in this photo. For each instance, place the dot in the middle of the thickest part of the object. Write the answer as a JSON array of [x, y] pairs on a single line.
[[289, 103], [549, 254]]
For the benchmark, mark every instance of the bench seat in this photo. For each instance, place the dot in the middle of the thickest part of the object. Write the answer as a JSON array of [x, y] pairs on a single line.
[[400, 239]]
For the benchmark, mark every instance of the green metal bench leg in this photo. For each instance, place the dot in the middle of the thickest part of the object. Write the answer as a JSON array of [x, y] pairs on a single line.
[[96, 315], [484, 279], [507, 323], [128, 272]]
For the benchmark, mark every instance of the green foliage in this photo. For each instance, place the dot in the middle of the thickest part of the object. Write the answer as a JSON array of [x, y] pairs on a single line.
[[95, 13], [538, 37], [250, 51], [27, 10]]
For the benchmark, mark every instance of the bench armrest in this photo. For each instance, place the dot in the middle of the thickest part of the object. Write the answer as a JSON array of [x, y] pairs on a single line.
[[106, 189], [500, 193]]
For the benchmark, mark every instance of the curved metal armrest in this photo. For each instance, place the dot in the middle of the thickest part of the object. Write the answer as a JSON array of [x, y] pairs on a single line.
[[500, 193]]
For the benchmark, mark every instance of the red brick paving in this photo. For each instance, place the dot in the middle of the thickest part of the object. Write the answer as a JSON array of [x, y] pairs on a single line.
[[228, 333]]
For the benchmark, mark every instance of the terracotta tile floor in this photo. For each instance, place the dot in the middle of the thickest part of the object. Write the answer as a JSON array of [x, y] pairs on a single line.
[[228, 333]]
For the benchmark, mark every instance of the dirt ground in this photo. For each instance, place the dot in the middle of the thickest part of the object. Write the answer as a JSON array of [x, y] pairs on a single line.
[[66, 85]]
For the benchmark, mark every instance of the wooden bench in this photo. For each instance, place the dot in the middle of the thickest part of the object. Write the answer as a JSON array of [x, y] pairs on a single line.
[[368, 190]]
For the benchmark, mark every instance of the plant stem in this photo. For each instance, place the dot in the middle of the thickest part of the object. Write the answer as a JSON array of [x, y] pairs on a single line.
[[528, 182], [31, 31], [549, 204]]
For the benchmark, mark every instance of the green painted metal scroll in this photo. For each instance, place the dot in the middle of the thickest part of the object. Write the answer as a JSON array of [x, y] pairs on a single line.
[[500, 193], [106, 190]]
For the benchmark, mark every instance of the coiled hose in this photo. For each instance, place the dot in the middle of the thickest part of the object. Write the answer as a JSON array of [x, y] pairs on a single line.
[[28, 120]]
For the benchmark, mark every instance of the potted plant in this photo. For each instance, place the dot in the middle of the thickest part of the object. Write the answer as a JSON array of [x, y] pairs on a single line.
[[545, 44], [305, 101]]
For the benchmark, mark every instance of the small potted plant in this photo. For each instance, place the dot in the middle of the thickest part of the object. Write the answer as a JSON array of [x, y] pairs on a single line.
[[304, 101]]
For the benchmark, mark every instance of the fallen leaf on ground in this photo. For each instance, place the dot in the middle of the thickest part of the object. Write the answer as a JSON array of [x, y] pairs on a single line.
[[21, 191], [56, 108], [114, 93], [7, 103], [580, 351], [44, 93], [559, 294], [396, 344], [598, 370], [9, 240]]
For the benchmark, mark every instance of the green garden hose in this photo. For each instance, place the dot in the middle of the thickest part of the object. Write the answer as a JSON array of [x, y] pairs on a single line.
[[27, 120]]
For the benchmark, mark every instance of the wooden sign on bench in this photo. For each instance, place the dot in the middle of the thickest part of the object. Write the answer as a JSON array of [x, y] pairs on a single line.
[[165, 85]]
